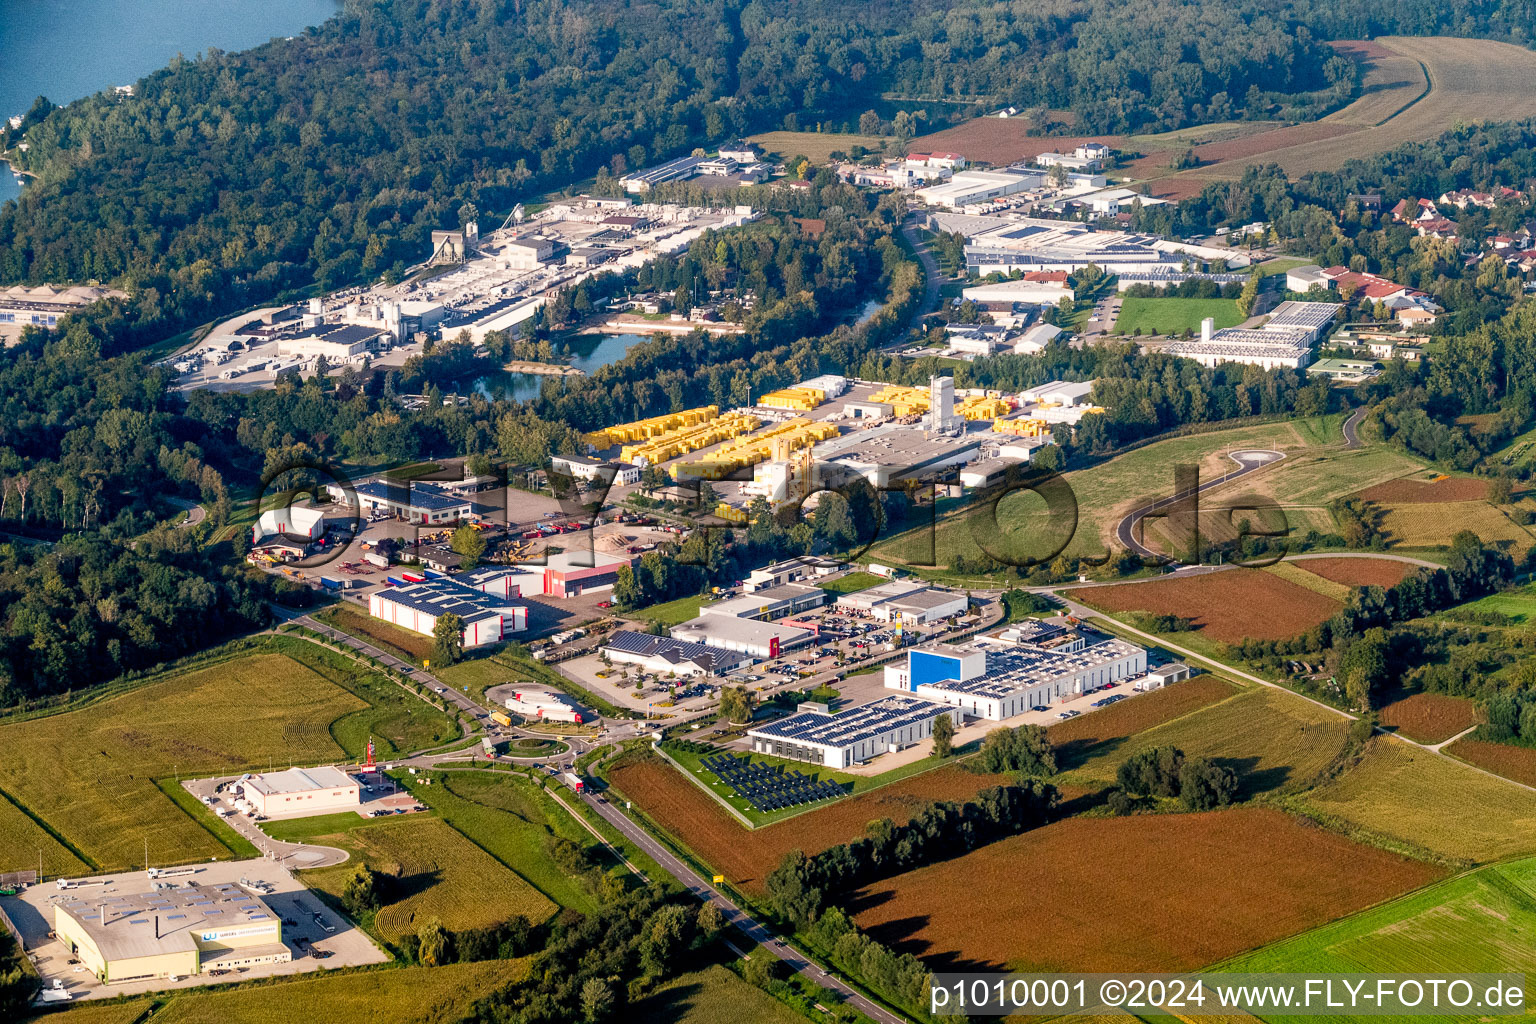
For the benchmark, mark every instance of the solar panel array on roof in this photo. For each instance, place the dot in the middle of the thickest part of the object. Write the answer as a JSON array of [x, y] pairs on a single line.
[[416, 494], [854, 725]]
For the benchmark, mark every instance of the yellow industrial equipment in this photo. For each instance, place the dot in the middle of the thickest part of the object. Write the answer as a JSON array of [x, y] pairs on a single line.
[[639, 430], [1023, 427], [730, 513], [904, 401], [800, 398], [689, 439], [980, 407], [778, 442]]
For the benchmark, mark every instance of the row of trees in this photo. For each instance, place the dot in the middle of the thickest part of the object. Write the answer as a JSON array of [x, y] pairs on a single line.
[[1198, 782]]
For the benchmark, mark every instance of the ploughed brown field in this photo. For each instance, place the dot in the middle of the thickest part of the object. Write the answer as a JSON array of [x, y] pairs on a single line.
[[1512, 762], [1000, 141], [1429, 717], [1166, 892], [1081, 737], [1357, 572], [1230, 605], [1426, 492], [745, 856]]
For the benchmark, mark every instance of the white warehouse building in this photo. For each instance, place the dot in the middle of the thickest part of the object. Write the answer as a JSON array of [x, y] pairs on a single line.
[[851, 736], [302, 791], [999, 682], [487, 609]]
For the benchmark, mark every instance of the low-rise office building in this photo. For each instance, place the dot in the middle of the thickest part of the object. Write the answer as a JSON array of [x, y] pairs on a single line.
[[747, 636], [169, 933], [414, 501], [488, 617], [573, 573], [664, 655], [302, 791], [789, 571], [770, 602], [851, 736], [921, 607]]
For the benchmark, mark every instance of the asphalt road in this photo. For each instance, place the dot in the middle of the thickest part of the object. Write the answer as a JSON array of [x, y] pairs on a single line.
[[931, 279], [1352, 427], [1248, 460], [734, 915]]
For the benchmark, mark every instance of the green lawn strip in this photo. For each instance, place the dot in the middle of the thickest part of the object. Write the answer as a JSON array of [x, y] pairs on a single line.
[[852, 583], [238, 846], [669, 613], [508, 816], [1174, 315], [316, 827]]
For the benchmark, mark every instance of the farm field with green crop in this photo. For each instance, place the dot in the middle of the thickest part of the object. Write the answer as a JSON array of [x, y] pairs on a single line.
[[1481, 921], [386, 636], [714, 995]]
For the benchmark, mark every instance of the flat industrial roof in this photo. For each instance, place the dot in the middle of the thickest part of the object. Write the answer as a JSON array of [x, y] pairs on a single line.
[[1012, 669], [441, 596], [854, 725], [729, 629], [414, 494], [124, 927], [675, 652], [300, 780]]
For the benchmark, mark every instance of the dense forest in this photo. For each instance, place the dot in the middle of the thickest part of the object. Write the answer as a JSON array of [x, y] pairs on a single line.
[[329, 157]]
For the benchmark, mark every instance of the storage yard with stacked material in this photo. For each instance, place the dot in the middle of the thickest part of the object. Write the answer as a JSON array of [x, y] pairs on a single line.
[[775, 443]]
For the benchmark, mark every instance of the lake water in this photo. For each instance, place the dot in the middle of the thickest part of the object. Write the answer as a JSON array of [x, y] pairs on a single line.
[[604, 349], [66, 49]]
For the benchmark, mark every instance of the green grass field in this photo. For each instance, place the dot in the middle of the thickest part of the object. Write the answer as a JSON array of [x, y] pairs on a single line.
[[1519, 604], [1174, 316], [1433, 803], [91, 773], [436, 873], [1316, 478], [409, 995], [508, 816], [669, 613], [1275, 741], [1481, 921], [714, 995], [1104, 494], [852, 583]]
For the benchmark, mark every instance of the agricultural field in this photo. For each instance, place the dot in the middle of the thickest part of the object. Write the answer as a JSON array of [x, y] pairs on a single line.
[[1105, 493], [816, 146], [746, 856], [437, 873], [1506, 759], [1228, 605], [1000, 141], [714, 995], [1519, 604], [90, 773], [1426, 490], [24, 843], [508, 816], [387, 636], [1429, 717], [1315, 478], [1481, 921], [1275, 741], [1465, 77], [1163, 892], [1359, 571], [409, 995], [1293, 572], [1174, 316], [1095, 735], [1426, 524], [1432, 803]]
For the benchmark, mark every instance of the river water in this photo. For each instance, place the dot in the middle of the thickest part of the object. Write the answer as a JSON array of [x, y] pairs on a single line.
[[66, 49], [588, 353]]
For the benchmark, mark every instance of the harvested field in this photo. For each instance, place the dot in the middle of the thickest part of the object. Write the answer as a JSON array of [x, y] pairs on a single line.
[[1357, 572], [746, 856], [1431, 802], [1429, 717], [1512, 762], [1469, 80], [1228, 605], [1417, 492], [816, 146], [1426, 525], [1168, 893], [997, 140], [1091, 735]]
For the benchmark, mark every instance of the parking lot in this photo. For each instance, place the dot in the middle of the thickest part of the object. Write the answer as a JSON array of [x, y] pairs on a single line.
[[312, 946]]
